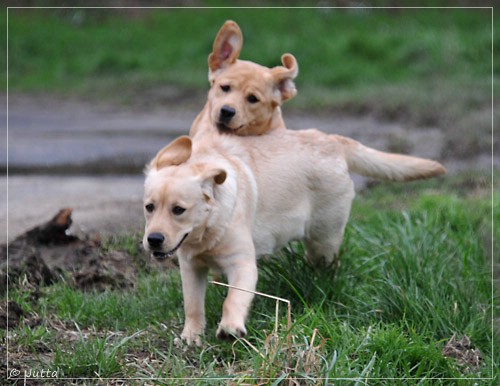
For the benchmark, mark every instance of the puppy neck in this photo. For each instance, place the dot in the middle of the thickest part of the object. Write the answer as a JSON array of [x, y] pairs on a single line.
[[277, 121]]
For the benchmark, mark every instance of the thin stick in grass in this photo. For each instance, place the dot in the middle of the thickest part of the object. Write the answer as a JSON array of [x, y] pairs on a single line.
[[278, 299]]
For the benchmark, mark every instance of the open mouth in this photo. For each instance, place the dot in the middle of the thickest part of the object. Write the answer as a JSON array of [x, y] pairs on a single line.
[[163, 255]]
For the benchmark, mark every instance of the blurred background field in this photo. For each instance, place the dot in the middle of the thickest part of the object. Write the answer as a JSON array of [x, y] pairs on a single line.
[[425, 67], [57, 49]]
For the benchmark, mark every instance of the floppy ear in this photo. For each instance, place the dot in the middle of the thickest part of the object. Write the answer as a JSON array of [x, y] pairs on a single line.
[[175, 153], [209, 177], [227, 47], [284, 76], [218, 175]]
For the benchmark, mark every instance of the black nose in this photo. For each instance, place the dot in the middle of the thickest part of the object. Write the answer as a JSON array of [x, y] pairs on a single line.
[[226, 113], [155, 240]]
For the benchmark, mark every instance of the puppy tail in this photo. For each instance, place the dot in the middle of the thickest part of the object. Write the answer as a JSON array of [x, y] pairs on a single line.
[[387, 166]]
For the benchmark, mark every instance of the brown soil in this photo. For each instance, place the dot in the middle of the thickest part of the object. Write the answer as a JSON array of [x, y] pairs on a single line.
[[462, 350], [45, 254]]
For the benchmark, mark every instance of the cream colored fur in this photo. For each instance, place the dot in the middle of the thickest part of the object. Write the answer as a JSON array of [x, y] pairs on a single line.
[[249, 194], [290, 185]]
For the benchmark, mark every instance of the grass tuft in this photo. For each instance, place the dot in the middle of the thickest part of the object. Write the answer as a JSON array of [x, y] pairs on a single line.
[[92, 357]]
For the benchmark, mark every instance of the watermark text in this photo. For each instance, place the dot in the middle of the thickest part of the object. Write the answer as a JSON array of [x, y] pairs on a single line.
[[34, 374]]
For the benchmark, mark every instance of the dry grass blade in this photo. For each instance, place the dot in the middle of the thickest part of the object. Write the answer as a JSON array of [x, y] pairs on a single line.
[[303, 359]]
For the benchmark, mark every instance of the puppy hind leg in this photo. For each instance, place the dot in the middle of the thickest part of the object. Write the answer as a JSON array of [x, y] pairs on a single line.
[[323, 254], [327, 230]]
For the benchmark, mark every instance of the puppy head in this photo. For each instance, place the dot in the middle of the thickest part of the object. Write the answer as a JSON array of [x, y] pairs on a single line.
[[178, 198], [244, 96]]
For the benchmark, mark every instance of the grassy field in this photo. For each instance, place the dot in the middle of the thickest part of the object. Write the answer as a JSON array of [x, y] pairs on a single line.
[[416, 270]]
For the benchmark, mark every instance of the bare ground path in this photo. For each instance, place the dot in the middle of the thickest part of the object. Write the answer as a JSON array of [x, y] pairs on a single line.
[[90, 156]]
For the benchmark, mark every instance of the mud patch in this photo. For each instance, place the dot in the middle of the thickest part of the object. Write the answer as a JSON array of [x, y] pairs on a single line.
[[10, 314], [45, 254], [109, 271]]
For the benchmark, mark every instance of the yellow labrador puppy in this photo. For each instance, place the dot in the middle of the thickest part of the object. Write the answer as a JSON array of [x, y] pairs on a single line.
[[244, 97], [220, 203]]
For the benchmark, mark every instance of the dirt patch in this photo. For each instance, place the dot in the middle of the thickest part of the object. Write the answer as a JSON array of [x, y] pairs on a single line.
[[462, 350], [10, 314], [46, 253], [114, 269]]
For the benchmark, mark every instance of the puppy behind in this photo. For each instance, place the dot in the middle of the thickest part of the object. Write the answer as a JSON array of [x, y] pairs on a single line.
[[244, 97], [218, 204]]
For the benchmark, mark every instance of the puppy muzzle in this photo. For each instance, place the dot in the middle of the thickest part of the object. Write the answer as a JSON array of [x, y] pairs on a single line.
[[226, 114], [156, 241]]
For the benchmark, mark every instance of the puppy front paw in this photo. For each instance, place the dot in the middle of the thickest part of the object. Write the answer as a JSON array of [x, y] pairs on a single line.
[[189, 337], [230, 332]]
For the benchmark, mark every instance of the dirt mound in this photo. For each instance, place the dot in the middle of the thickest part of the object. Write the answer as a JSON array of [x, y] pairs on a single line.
[[47, 253]]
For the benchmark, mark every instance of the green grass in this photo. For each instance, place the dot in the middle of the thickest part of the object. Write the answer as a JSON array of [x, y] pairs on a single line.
[[415, 271], [56, 49], [61, 49], [89, 357], [156, 298]]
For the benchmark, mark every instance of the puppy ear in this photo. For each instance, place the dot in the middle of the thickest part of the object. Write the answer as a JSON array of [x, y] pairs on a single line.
[[211, 176], [218, 175], [283, 77], [227, 46], [175, 153]]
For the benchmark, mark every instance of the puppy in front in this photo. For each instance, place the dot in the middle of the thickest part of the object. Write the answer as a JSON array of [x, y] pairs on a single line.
[[202, 208], [218, 204]]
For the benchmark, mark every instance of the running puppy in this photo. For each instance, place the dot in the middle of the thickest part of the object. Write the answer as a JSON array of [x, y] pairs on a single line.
[[218, 204]]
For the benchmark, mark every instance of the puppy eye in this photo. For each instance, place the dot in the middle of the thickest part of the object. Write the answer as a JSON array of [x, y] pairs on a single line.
[[252, 98], [150, 208], [225, 88], [178, 210]]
